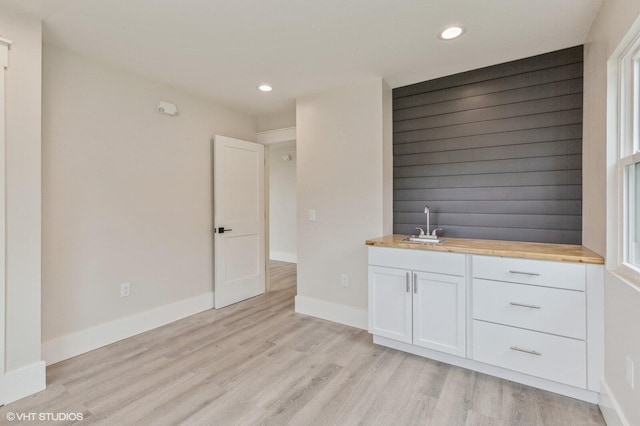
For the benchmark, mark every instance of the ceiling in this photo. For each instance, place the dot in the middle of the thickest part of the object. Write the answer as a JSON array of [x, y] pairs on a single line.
[[223, 49]]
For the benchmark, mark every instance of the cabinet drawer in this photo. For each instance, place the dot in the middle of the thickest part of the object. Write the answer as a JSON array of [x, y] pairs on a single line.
[[554, 358], [534, 272], [550, 310], [418, 260]]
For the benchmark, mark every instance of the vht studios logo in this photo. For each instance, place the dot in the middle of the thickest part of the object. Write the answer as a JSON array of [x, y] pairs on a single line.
[[45, 417]]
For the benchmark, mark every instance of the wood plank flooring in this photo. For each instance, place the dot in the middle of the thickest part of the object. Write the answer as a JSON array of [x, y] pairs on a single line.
[[282, 275], [258, 362]]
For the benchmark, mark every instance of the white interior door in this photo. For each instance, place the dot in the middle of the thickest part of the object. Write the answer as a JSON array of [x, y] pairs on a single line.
[[239, 220]]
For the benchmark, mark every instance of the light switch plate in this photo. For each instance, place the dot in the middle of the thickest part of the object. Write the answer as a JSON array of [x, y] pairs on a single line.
[[125, 289], [630, 373]]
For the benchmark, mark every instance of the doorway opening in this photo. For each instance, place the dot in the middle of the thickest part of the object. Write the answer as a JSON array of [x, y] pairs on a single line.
[[282, 216]]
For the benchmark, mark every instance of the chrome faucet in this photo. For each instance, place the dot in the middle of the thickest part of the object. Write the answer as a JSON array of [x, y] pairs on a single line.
[[428, 213], [428, 235]]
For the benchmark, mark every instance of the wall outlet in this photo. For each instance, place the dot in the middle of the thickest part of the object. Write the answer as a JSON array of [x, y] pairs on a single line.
[[630, 373], [312, 215], [125, 289], [344, 280]]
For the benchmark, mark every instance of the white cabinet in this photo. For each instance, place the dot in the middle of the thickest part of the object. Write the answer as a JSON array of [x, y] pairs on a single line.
[[549, 310], [567, 275], [530, 316], [416, 305], [439, 312], [536, 322], [390, 307], [538, 354]]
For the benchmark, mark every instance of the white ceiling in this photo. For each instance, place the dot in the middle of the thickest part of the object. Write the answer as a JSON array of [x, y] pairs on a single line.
[[223, 49]]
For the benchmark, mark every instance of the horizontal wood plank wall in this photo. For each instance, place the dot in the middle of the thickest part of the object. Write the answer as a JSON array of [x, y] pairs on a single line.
[[496, 153]]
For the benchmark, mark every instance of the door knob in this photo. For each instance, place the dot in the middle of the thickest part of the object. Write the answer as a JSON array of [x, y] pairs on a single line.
[[221, 230]]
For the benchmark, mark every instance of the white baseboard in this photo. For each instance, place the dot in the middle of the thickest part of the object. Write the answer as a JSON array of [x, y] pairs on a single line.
[[335, 312], [610, 408], [283, 256], [23, 382], [74, 344]]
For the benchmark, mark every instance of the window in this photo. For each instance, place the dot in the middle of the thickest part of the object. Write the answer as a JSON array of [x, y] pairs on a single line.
[[629, 154]]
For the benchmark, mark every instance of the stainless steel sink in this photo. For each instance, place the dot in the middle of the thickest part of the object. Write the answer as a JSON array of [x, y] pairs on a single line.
[[424, 240]]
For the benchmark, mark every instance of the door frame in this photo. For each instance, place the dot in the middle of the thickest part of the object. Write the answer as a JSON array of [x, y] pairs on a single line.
[[266, 138], [4, 64], [269, 138]]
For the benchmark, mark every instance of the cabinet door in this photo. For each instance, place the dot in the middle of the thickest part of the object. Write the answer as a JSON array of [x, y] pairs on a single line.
[[439, 312], [390, 303]]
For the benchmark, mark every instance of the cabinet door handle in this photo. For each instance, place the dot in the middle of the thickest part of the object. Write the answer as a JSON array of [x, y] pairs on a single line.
[[408, 290], [524, 305], [415, 283], [527, 351], [533, 274]]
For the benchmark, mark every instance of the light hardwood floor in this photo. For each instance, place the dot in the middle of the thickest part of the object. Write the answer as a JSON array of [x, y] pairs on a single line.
[[258, 362], [282, 275]]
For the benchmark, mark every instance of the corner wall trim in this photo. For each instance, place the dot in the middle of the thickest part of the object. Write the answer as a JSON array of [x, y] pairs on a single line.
[[24, 381], [610, 408], [335, 312], [86, 340]]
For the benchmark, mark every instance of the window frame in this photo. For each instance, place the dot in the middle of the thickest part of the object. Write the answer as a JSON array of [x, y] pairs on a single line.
[[628, 151]]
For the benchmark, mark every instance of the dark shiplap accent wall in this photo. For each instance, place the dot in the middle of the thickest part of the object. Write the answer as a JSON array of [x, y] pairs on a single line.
[[496, 153]]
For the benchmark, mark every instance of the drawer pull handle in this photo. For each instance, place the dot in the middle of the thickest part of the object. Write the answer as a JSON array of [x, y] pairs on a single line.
[[532, 274], [408, 283], [524, 305], [515, 348]]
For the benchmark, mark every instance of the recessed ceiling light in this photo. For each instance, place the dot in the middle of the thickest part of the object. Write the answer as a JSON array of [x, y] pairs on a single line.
[[265, 88], [451, 32]]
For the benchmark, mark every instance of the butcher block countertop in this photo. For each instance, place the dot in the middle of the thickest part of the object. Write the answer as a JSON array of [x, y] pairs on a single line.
[[525, 250]]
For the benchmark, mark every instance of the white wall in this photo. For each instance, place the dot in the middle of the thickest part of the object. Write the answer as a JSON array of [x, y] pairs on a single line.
[[280, 120], [340, 143], [24, 369], [622, 300], [127, 197], [282, 203]]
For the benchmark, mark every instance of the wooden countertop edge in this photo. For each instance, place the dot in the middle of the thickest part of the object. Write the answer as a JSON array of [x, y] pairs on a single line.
[[588, 257]]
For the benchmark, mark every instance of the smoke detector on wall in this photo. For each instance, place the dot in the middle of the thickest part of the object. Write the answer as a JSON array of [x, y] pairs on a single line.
[[167, 108]]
